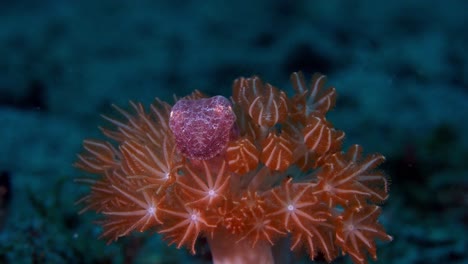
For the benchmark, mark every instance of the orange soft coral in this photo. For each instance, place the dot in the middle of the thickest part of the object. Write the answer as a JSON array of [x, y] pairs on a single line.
[[243, 173]]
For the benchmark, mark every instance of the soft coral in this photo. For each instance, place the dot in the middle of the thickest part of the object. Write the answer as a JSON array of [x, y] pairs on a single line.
[[243, 173]]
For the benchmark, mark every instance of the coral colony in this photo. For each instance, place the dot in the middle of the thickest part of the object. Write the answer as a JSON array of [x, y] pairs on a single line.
[[244, 173]]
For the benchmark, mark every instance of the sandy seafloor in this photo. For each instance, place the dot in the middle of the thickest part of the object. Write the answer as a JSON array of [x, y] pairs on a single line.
[[400, 69]]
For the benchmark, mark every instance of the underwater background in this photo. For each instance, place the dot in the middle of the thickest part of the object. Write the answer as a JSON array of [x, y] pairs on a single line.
[[400, 69]]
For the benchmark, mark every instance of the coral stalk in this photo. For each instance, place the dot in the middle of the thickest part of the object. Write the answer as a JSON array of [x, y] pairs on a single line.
[[225, 249]]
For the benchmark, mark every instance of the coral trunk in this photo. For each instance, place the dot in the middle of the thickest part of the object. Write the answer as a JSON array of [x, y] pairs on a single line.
[[226, 249]]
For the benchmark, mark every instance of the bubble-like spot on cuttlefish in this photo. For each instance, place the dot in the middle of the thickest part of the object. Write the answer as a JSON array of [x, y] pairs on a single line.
[[202, 127]]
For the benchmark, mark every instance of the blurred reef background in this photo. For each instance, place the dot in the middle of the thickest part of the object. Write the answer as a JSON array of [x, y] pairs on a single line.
[[400, 69]]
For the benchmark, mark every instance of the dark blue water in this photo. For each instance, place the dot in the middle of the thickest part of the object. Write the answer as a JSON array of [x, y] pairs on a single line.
[[400, 69]]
